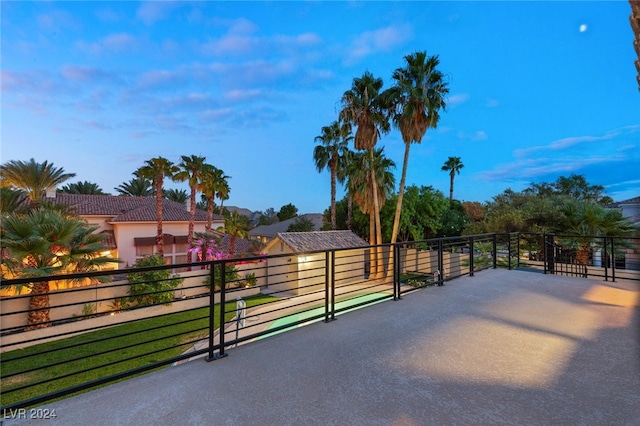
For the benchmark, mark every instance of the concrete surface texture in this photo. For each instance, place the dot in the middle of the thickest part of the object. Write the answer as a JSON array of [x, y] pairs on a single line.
[[502, 347]]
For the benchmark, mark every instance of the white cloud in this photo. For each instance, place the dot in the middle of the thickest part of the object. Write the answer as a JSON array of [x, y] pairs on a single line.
[[83, 73], [111, 43], [479, 135], [215, 114], [151, 12], [457, 99], [564, 143], [380, 40], [157, 78], [568, 155], [242, 95]]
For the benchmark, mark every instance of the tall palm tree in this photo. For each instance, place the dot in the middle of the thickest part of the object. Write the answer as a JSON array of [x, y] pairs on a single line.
[[223, 192], [82, 187], [191, 170], [363, 107], [237, 226], [416, 99], [156, 170], [333, 142], [343, 172], [214, 182], [360, 182], [453, 165], [33, 178], [136, 187], [47, 242]]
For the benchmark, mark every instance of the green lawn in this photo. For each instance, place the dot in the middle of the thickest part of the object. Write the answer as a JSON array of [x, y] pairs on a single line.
[[105, 352]]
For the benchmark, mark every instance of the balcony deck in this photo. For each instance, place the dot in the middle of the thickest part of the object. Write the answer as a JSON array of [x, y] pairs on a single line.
[[502, 347]]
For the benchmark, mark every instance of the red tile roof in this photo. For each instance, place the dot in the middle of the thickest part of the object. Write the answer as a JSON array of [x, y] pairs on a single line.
[[127, 209]]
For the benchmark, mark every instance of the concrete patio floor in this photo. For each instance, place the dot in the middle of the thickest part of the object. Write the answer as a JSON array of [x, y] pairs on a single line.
[[502, 347]]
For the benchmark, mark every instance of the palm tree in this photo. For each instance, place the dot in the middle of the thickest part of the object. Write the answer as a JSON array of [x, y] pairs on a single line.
[[363, 107], [343, 172], [177, 195], [136, 187], [191, 169], [47, 242], [33, 178], [416, 99], [333, 142], [237, 226], [223, 192], [82, 187], [214, 182], [587, 222], [12, 200], [360, 185], [453, 165], [156, 170]]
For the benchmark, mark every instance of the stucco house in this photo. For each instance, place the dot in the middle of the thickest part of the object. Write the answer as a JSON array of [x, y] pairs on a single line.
[[130, 224], [298, 271], [631, 210], [266, 233]]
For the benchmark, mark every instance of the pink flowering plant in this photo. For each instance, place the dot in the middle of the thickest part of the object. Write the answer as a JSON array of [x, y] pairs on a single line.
[[207, 248]]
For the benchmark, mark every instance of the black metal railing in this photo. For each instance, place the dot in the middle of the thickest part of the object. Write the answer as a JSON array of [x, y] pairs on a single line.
[[99, 331]]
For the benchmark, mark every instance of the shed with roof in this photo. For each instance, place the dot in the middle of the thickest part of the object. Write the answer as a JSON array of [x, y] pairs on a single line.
[[302, 256]]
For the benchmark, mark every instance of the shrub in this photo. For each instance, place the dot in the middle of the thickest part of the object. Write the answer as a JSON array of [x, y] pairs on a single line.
[[152, 287], [230, 276], [250, 279]]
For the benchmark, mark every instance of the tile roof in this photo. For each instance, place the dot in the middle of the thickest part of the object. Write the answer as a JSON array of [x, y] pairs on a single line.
[[127, 209], [109, 239], [301, 242], [634, 200], [272, 230]]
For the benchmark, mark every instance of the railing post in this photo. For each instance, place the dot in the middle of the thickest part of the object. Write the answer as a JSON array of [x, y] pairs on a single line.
[[223, 291], [212, 322], [605, 259], [509, 251], [440, 263], [518, 250], [471, 265], [330, 286], [333, 285], [495, 250], [326, 286], [396, 272], [613, 261], [549, 253]]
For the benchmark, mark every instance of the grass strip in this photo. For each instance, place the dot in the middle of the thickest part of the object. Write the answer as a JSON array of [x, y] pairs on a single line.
[[53, 366]]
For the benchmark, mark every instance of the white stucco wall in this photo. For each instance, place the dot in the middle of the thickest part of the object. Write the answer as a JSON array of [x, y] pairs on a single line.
[[125, 233]]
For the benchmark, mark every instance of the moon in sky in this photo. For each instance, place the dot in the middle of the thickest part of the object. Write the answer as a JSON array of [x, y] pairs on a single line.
[[583, 28]]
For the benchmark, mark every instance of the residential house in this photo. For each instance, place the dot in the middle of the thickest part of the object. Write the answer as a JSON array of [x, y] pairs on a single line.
[[266, 233], [253, 216], [130, 224], [631, 210], [305, 254]]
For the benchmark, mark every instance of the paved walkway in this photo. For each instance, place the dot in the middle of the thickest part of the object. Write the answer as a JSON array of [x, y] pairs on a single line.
[[503, 347]]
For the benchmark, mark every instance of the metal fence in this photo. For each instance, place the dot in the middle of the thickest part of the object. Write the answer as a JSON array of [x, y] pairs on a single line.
[[106, 326]]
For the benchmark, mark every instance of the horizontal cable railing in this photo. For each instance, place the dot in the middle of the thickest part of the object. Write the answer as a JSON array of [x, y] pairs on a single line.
[[90, 329]]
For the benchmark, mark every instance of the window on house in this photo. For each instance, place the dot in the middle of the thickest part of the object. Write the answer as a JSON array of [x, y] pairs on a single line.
[[144, 251]]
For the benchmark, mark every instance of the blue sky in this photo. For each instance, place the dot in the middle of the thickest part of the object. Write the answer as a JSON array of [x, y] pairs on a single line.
[[537, 90]]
